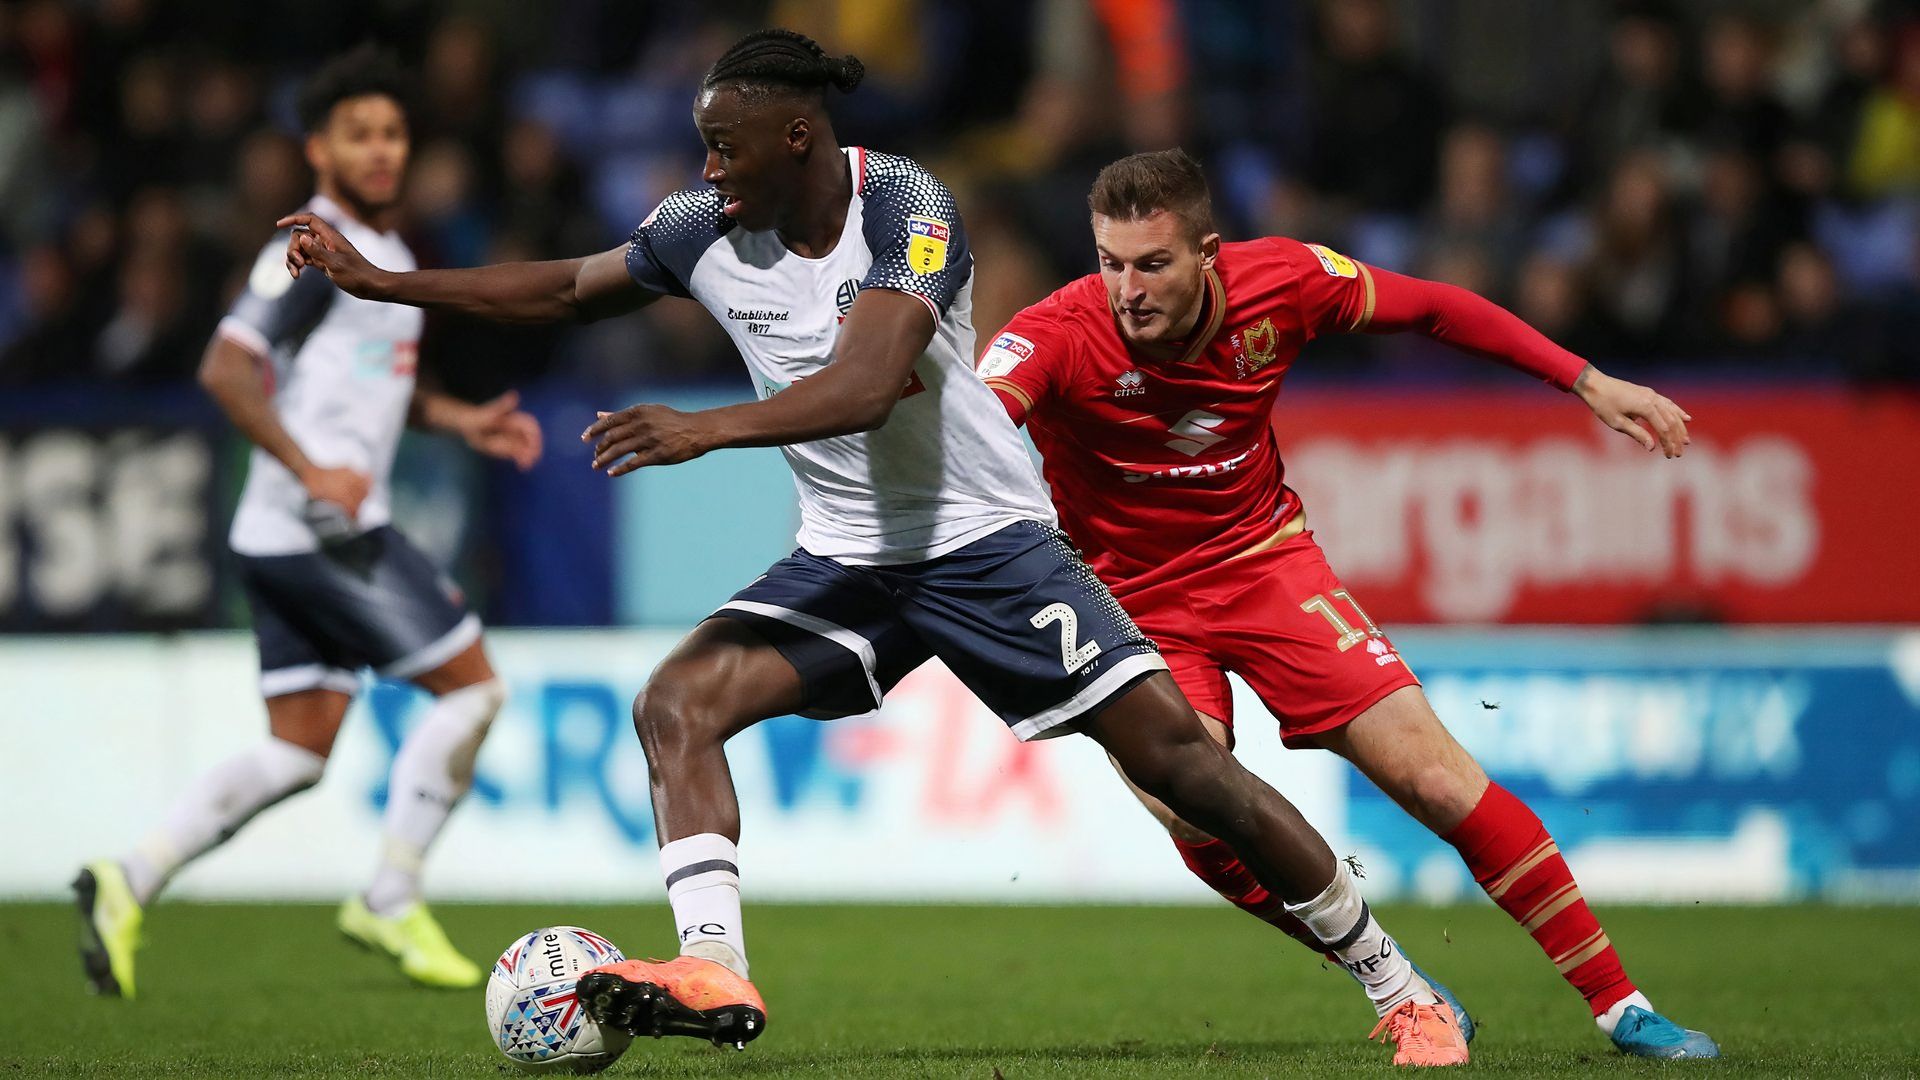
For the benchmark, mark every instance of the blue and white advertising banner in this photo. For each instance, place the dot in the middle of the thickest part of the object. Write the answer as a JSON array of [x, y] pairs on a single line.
[[1671, 765]]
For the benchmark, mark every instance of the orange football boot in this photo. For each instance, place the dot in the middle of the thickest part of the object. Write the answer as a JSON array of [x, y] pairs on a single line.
[[1423, 1034], [685, 996]]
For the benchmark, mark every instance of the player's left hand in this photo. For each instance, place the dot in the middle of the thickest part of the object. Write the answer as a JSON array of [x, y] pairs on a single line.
[[1650, 419], [644, 435], [500, 428]]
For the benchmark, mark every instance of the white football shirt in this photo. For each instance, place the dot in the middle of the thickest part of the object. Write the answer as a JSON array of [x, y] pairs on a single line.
[[948, 466], [342, 373]]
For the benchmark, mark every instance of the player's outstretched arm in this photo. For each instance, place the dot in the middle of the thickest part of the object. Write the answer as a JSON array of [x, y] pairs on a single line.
[[231, 375], [560, 290], [497, 428], [885, 332], [1474, 324]]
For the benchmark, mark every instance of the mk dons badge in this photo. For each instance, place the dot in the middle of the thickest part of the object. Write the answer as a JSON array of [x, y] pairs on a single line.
[[927, 244], [1333, 262], [1262, 341]]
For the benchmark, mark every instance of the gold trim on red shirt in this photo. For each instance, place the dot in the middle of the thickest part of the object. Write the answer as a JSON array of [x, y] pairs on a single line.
[[1366, 313], [1294, 526], [1011, 387], [1218, 294]]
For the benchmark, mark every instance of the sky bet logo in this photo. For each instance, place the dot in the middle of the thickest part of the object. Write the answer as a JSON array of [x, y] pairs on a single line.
[[1014, 344]]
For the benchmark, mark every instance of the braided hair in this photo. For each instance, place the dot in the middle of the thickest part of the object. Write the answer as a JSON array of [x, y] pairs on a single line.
[[769, 62]]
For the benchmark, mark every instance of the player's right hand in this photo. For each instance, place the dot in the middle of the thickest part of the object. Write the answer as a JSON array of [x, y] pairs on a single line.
[[345, 488], [316, 243]]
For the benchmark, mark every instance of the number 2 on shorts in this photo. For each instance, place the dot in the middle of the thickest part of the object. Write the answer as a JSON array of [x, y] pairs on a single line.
[[1074, 654], [1349, 634]]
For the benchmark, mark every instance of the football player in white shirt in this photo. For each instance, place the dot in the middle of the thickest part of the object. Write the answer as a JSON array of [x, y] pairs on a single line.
[[322, 383], [844, 278]]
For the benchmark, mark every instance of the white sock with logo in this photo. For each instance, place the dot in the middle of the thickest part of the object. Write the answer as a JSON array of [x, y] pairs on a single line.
[[215, 808], [433, 769], [1346, 926], [1611, 1018], [703, 885]]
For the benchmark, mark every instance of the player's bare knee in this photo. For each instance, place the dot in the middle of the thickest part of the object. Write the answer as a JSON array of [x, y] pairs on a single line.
[[1180, 829], [315, 739], [672, 714], [1441, 794], [1185, 776]]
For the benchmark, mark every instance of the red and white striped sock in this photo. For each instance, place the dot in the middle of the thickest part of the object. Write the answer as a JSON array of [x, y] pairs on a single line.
[[1513, 858]]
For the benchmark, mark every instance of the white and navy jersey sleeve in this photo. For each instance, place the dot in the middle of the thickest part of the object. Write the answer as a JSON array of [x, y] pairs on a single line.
[[276, 311], [663, 251], [912, 226]]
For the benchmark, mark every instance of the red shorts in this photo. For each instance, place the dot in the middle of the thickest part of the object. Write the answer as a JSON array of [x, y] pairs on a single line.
[[1283, 622]]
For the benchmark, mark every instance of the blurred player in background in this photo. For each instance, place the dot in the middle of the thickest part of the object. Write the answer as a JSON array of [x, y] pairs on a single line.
[[844, 278], [1149, 390], [323, 383]]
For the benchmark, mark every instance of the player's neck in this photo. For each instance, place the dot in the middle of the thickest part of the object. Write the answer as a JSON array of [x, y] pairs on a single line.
[[813, 229], [1176, 344], [378, 219]]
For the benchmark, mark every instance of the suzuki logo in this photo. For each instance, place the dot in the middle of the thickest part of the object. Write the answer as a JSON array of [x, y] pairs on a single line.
[[1196, 434]]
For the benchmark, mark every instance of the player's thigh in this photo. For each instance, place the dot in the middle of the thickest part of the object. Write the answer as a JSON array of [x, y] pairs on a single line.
[[721, 679], [309, 719], [469, 667], [1400, 744], [1169, 820], [1022, 621], [1156, 740], [827, 634], [1287, 625]]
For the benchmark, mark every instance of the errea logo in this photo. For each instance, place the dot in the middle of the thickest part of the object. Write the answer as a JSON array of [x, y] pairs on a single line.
[[1130, 384], [1383, 653]]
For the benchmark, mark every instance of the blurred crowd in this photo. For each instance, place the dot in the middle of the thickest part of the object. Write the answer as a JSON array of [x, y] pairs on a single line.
[[1732, 186]]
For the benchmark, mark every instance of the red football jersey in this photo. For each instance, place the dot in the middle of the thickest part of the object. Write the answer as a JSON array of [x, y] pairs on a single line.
[[1160, 468]]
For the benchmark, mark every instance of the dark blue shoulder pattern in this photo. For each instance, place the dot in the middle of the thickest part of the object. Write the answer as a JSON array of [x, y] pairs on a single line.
[[663, 251], [280, 309], [912, 226]]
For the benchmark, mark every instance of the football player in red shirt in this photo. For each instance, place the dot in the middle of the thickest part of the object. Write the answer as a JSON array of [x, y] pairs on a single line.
[[1149, 390]]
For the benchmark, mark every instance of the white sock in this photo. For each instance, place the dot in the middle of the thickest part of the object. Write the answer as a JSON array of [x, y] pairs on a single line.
[[1611, 1018], [433, 769], [215, 808], [703, 885], [1345, 925]]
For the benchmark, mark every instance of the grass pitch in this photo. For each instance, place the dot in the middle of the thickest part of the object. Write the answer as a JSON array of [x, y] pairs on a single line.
[[253, 990]]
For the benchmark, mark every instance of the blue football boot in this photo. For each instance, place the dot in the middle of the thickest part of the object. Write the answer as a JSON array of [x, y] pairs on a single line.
[[1641, 1033]]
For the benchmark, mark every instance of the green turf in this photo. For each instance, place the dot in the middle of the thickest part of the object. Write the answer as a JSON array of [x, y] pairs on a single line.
[[951, 991]]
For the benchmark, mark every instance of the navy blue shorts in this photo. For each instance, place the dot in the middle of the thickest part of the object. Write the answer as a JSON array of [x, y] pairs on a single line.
[[374, 601], [1016, 615]]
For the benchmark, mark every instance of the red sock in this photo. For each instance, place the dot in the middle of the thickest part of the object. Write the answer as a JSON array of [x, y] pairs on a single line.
[[1215, 863], [1512, 857]]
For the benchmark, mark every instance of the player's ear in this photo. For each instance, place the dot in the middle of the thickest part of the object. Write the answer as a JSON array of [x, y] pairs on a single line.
[[1209, 250], [317, 157], [799, 136]]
